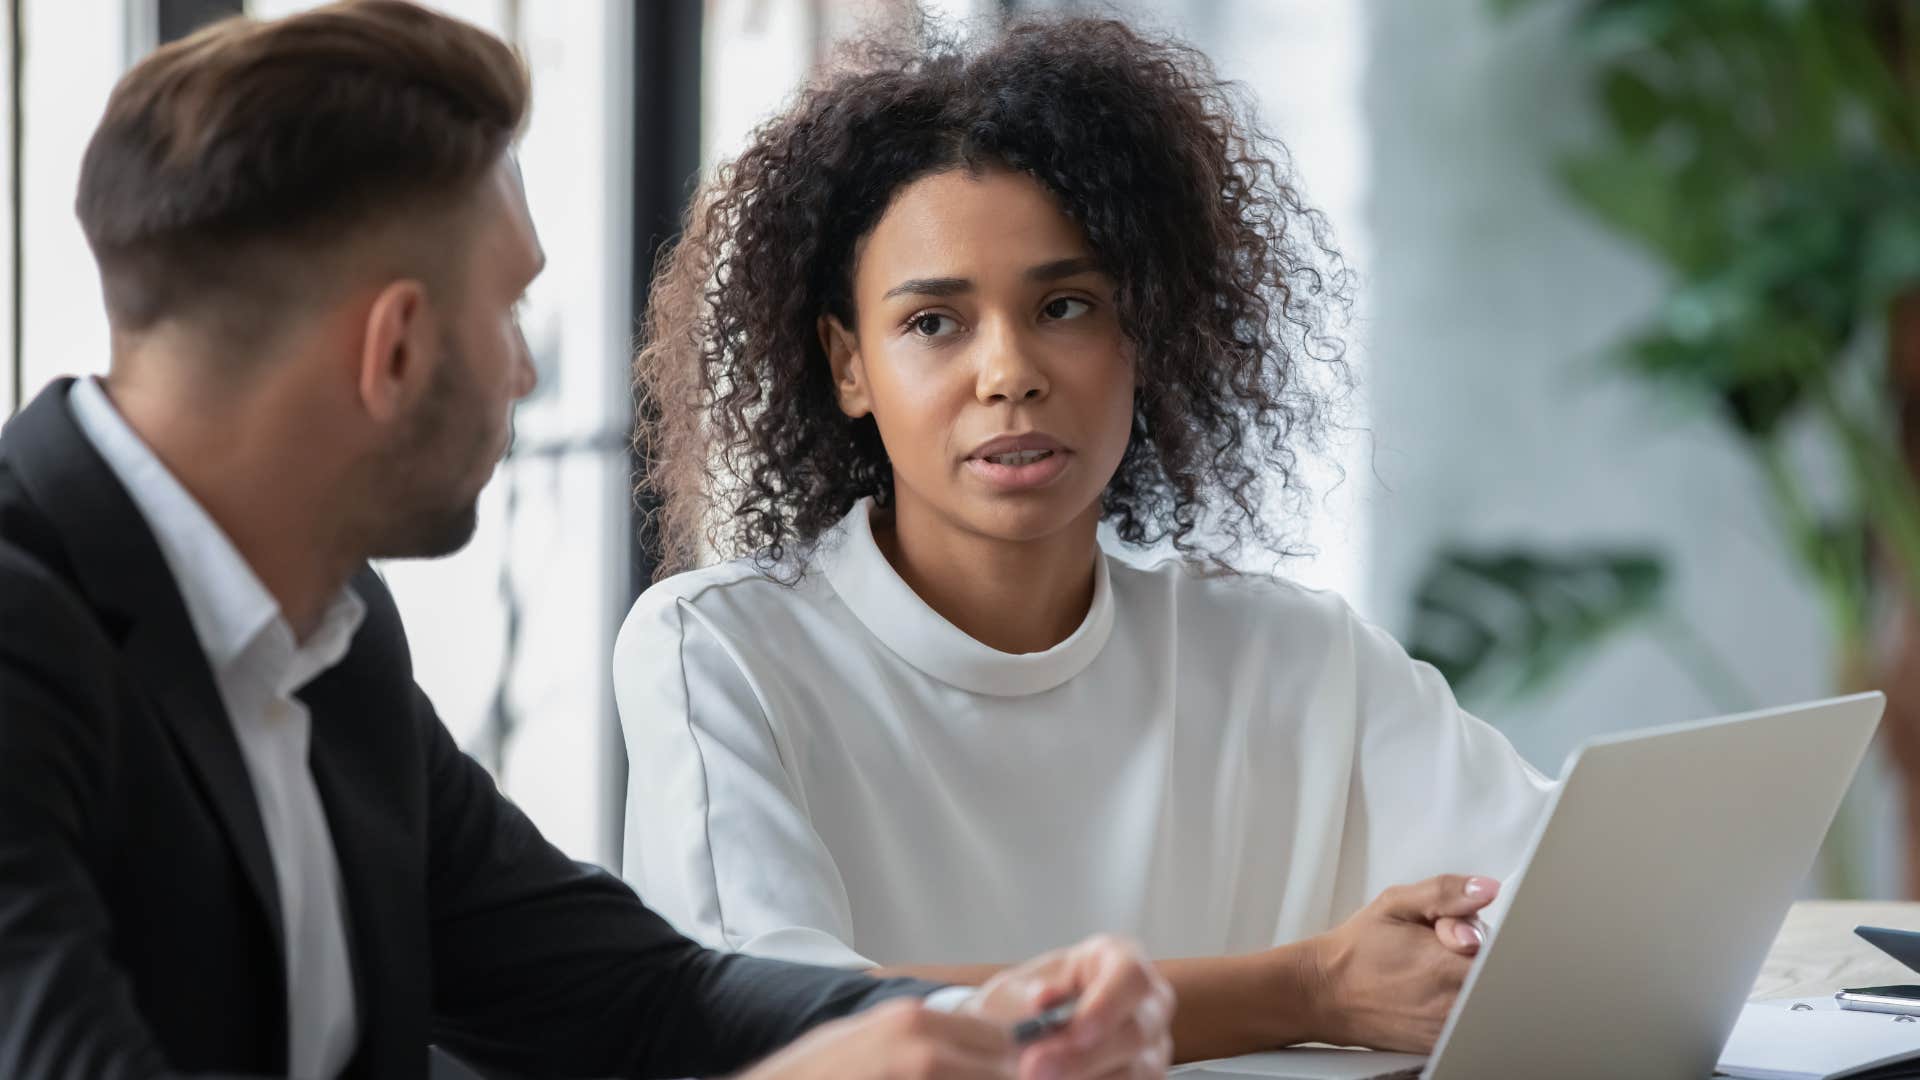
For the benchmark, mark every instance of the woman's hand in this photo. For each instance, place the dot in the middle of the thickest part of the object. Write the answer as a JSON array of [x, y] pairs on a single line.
[[1387, 977]]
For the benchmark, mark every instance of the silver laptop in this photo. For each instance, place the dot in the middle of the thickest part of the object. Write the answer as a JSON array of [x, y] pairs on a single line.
[[1650, 897]]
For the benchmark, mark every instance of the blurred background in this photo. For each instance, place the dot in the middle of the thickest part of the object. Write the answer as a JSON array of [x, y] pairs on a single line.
[[1637, 344]]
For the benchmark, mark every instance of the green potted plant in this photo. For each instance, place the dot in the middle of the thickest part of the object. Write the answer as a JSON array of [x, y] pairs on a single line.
[[1767, 154]]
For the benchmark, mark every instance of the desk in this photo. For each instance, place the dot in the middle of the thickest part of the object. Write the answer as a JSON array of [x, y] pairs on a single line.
[[1816, 953]]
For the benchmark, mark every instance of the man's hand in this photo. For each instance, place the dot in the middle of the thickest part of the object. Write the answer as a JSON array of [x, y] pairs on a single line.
[[1120, 1026], [1387, 977], [896, 1040]]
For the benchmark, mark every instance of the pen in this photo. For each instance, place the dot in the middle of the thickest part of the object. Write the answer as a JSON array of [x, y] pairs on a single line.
[[1042, 1024]]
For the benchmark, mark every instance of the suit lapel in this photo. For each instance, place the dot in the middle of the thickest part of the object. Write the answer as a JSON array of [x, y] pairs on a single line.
[[381, 896], [168, 662], [368, 768], [119, 568]]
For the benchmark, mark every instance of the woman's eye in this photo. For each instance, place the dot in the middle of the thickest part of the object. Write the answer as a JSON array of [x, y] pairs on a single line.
[[1065, 307], [931, 324]]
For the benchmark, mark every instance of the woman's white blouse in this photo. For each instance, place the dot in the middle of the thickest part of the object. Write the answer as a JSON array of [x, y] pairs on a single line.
[[831, 772]]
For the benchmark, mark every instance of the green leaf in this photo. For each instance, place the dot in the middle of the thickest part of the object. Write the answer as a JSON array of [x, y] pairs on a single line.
[[1506, 623], [1635, 108], [1608, 26], [1637, 195], [1891, 262], [1757, 373]]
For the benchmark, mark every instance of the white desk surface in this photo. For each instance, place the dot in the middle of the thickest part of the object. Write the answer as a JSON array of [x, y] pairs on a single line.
[[1816, 952]]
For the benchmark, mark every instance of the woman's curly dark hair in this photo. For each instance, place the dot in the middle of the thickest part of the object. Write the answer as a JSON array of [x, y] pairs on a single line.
[[1225, 285]]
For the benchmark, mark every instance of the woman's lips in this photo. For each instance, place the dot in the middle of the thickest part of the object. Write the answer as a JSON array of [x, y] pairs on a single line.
[[1020, 470]]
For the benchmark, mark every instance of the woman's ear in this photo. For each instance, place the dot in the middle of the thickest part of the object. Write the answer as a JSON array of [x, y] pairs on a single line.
[[849, 378]]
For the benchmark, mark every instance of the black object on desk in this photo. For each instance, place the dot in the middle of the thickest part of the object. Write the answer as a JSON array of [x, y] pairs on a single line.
[[1902, 945]]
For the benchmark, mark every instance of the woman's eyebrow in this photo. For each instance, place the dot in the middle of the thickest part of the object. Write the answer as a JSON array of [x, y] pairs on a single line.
[[1063, 268], [953, 286], [938, 286]]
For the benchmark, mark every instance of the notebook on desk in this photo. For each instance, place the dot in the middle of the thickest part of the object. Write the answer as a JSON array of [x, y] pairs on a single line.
[[1647, 903], [1814, 1039]]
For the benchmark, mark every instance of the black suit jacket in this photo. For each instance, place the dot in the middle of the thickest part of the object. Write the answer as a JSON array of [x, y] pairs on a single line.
[[139, 920]]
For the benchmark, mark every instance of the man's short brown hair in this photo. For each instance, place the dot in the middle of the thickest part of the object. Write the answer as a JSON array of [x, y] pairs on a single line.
[[228, 157]]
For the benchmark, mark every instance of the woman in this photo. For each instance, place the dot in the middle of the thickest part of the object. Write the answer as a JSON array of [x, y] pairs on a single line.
[[941, 320]]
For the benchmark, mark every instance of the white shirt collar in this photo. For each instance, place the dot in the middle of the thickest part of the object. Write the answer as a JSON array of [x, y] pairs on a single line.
[[226, 601], [876, 594]]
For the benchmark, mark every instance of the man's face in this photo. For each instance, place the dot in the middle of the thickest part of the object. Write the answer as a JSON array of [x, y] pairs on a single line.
[[462, 428]]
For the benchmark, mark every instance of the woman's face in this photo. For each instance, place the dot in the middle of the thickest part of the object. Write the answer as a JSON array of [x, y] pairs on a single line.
[[987, 350]]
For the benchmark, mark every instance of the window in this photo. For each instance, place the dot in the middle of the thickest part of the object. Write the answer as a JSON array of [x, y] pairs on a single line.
[[72, 55], [511, 636]]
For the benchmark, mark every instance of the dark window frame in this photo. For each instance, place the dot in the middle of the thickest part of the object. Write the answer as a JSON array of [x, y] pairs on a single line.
[[667, 47], [175, 19]]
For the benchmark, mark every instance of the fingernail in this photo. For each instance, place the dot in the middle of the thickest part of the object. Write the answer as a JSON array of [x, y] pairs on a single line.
[[1469, 935], [1478, 887]]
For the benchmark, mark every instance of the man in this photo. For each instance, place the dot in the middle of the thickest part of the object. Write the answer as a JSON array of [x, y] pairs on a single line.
[[234, 837]]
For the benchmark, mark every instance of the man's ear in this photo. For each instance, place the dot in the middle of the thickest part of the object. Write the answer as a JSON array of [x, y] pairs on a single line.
[[396, 354], [849, 376]]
